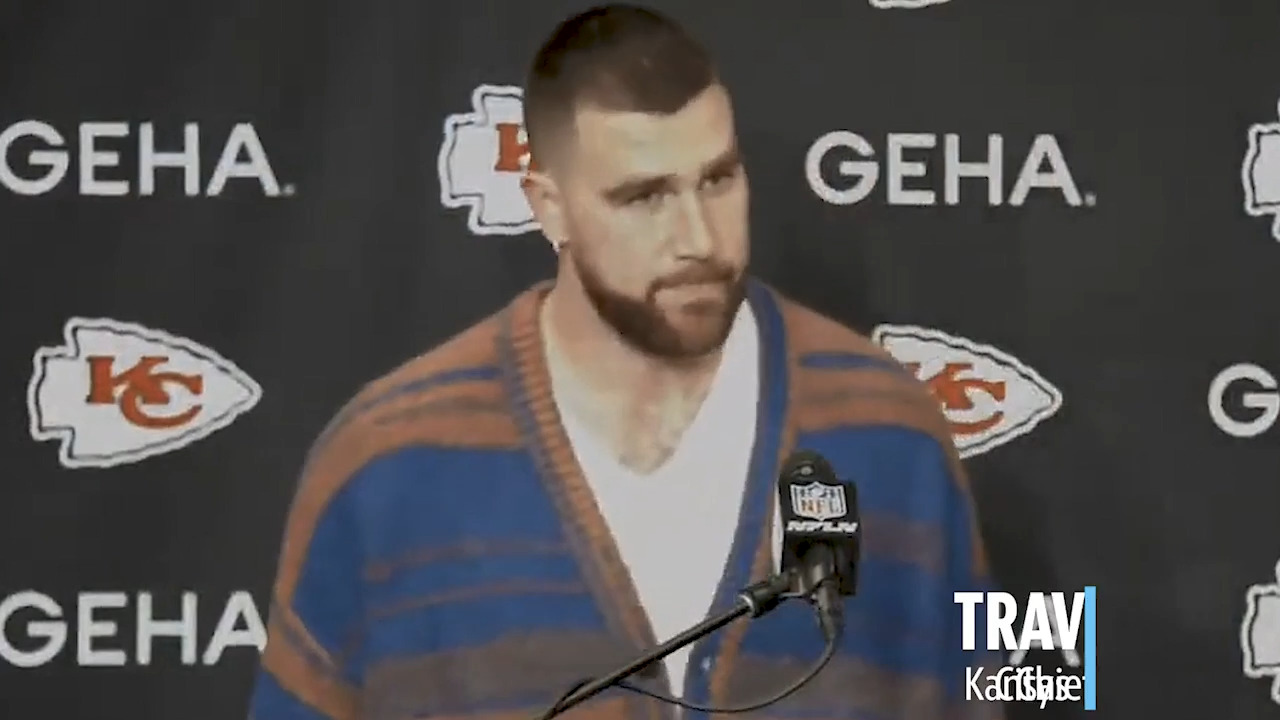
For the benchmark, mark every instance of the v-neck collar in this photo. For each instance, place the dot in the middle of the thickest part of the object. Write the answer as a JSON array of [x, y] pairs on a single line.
[[743, 337], [525, 370]]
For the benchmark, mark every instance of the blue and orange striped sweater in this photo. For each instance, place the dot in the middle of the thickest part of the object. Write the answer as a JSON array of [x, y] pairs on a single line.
[[444, 557]]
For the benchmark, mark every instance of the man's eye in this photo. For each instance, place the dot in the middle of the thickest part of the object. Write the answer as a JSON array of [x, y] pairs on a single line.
[[720, 177], [651, 197]]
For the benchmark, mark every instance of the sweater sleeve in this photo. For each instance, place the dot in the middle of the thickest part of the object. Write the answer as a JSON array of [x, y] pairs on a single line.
[[967, 571], [311, 668]]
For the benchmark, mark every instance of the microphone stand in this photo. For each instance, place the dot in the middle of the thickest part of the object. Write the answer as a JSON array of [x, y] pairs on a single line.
[[754, 601]]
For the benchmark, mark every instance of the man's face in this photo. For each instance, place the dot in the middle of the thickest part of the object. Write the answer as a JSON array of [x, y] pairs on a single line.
[[655, 211]]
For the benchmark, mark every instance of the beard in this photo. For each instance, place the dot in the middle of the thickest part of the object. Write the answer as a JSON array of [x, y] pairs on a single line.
[[683, 332]]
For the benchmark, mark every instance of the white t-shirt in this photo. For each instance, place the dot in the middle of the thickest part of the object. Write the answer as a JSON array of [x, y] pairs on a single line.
[[674, 527]]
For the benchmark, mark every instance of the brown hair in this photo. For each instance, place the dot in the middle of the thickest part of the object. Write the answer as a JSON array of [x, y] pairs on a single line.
[[613, 57]]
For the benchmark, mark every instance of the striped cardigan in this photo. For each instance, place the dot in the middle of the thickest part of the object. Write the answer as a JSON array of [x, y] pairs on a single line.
[[444, 557]]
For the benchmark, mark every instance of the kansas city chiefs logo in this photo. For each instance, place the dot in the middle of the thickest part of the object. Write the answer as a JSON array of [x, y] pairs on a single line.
[[118, 393], [1260, 173], [1260, 634], [988, 396], [483, 160]]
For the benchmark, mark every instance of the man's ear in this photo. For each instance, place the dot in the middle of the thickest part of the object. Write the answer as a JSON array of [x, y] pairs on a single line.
[[547, 203]]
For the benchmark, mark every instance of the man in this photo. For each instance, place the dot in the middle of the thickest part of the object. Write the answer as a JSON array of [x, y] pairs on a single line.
[[593, 469]]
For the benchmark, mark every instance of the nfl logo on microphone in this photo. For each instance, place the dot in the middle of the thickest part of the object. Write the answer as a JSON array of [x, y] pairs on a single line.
[[818, 501], [1054, 621], [821, 504]]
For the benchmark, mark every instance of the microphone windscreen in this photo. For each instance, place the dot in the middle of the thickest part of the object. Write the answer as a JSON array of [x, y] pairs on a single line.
[[808, 464]]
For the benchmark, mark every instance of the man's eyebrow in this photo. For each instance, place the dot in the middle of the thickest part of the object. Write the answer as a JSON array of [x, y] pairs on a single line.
[[643, 184], [726, 160], [637, 186]]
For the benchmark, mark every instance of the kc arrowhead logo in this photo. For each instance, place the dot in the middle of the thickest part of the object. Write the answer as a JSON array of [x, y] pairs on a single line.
[[117, 393], [988, 396], [1260, 634], [483, 161], [1260, 174]]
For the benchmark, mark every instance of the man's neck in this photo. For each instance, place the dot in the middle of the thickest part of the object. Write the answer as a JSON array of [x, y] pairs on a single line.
[[639, 404]]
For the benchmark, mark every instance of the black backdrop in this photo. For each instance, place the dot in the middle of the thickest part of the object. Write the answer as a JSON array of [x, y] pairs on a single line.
[[339, 211]]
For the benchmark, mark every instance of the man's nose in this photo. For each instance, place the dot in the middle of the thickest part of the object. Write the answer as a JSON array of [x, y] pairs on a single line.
[[694, 237]]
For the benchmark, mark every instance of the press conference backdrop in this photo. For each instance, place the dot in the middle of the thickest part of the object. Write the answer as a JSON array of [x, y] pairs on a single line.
[[220, 218]]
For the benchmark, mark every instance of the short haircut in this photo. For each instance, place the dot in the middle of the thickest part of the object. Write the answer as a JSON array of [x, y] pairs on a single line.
[[617, 57]]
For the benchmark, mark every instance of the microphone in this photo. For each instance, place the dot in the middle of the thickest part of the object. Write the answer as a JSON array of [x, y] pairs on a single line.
[[821, 535]]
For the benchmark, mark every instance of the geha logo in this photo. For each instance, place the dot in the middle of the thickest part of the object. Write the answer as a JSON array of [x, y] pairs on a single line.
[[908, 156], [118, 393], [1260, 400], [988, 396], [98, 153], [483, 160], [100, 641]]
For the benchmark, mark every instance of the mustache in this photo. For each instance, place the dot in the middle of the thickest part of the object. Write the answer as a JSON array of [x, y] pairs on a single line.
[[702, 274]]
